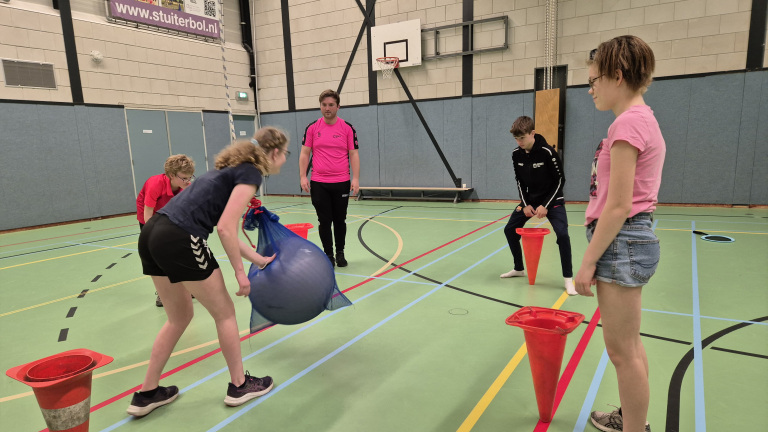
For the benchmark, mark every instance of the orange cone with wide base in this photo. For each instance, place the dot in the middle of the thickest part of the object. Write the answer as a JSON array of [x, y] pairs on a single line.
[[300, 229], [545, 333], [62, 386], [533, 239]]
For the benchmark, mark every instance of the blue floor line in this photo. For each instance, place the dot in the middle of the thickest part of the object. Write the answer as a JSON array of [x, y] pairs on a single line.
[[277, 389], [698, 368], [589, 400], [316, 321]]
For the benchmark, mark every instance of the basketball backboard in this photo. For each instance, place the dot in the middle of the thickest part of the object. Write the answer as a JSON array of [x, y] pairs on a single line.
[[401, 40]]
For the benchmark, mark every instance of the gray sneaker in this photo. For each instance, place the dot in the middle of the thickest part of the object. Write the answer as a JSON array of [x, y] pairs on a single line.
[[611, 421], [251, 389]]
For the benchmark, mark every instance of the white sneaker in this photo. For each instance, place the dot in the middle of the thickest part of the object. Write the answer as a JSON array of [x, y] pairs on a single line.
[[569, 287], [513, 273]]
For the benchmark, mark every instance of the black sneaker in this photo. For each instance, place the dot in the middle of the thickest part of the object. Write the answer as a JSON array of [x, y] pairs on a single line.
[[340, 261], [330, 257], [142, 405], [158, 302], [251, 389]]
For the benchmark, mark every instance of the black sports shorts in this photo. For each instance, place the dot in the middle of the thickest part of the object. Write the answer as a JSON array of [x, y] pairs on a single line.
[[167, 250]]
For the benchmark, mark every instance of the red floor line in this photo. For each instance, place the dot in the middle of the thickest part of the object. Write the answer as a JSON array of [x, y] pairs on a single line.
[[424, 254], [565, 379], [205, 356], [68, 235]]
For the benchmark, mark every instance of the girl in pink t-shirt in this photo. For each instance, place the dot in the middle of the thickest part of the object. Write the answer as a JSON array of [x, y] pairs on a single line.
[[623, 250]]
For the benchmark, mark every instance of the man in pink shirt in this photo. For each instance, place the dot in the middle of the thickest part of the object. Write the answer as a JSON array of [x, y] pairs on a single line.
[[332, 144]]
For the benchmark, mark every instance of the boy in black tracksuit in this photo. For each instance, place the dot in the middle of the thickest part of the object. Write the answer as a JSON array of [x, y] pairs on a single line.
[[540, 180]]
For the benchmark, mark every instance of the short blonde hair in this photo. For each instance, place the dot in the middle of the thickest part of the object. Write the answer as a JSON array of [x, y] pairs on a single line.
[[179, 164], [628, 54], [242, 151]]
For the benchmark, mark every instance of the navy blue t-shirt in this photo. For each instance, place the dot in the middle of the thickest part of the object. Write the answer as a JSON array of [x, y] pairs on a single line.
[[198, 209]]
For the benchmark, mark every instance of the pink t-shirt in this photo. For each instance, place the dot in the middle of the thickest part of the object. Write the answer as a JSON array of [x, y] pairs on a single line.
[[330, 146], [639, 128], [156, 193]]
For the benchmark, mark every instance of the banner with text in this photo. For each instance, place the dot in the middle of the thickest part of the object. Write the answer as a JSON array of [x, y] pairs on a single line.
[[200, 17]]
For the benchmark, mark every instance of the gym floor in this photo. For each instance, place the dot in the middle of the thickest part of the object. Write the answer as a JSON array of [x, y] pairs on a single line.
[[423, 348]]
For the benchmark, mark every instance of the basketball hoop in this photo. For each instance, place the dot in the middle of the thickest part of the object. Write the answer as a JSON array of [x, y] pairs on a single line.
[[387, 65]]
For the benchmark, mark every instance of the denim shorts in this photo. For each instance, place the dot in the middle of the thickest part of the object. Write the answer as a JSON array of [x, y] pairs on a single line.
[[631, 259]]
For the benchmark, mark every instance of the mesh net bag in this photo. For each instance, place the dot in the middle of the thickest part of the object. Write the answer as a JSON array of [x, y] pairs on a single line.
[[298, 284]]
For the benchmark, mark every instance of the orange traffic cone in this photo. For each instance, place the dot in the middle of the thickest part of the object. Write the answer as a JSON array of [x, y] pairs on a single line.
[[300, 229], [533, 239], [62, 386], [545, 333]]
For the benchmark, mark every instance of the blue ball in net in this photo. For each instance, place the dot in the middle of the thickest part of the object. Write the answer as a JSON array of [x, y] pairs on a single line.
[[296, 286]]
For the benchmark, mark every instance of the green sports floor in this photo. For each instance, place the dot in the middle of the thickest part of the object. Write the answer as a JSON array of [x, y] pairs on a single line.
[[425, 346]]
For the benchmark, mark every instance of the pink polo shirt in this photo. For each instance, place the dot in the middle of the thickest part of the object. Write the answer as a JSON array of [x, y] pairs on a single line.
[[156, 193], [330, 146], [639, 128]]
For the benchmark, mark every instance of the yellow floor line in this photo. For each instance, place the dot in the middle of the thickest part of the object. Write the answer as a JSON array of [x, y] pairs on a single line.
[[493, 390], [65, 256], [71, 296]]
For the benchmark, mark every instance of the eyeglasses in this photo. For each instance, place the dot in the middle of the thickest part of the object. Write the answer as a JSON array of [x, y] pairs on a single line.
[[591, 81], [592, 54], [186, 179]]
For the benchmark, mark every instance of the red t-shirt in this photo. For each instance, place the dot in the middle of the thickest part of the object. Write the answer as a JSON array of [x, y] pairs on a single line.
[[156, 193]]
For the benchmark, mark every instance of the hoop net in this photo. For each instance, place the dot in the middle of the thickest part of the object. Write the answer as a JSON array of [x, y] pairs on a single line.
[[387, 65]]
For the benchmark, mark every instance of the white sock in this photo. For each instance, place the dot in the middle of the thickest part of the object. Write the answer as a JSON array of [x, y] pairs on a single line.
[[512, 273], [569, 287]]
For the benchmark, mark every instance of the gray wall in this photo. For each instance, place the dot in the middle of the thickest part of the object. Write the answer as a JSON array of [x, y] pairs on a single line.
[[715, 128], [60, 162]]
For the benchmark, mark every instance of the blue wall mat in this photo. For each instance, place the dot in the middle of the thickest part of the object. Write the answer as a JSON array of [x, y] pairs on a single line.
[[748, 129], [759, 190], [106, 160], [579, 144], [671, 104], [457, 139], [492, 117], [396, 144], [427, 168], [287, 181], [713, 138], [216, 127], [365, 122]]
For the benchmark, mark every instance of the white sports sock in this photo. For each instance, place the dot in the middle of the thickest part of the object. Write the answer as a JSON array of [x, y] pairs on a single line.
[[569, 287], [512, 273]]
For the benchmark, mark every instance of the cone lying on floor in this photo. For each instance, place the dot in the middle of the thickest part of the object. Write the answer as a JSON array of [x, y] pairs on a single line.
[[545, 333], [533, 239], [62, 386]]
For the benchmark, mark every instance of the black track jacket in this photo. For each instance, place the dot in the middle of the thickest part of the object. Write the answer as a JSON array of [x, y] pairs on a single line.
[[539, 175]]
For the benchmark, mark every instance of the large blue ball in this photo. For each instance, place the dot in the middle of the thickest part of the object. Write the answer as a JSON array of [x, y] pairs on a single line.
[[295, 287]]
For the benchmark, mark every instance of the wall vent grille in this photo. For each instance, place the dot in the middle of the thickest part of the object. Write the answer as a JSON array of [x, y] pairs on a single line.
[[29, 74]]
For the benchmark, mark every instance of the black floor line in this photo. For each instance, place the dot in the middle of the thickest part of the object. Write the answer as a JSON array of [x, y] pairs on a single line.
[[676, 382], [67, 246]]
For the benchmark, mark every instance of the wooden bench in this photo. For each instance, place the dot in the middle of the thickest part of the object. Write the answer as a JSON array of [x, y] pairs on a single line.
[[455, 191]]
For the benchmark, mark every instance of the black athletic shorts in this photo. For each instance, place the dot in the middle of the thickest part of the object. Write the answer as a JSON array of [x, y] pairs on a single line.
[[167, 250]]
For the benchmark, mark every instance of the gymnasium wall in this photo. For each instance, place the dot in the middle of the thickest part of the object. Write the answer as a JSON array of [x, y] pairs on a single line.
[[140, 69], [715, 127], [73, 161], [687, 36]]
